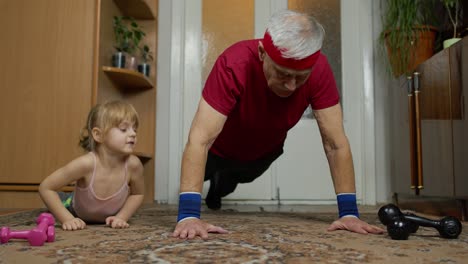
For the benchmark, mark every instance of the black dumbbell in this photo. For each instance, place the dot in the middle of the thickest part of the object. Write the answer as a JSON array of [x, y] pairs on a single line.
[[387, 214], [399, 228], [400, 224]]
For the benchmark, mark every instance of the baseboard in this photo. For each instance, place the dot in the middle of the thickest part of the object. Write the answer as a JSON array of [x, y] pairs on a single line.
[[433, 205], [20, 199]]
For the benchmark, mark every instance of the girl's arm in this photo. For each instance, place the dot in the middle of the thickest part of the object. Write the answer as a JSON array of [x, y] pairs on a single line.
[[73, 171], [137, 189]]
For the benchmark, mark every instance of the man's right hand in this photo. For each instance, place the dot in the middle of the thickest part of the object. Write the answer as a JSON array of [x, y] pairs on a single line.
[[194, 227]]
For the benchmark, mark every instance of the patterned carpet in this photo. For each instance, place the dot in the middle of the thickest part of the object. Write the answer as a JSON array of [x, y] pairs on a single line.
[[260, 237]]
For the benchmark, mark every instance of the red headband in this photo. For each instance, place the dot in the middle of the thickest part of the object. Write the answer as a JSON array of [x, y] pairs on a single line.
[[276, 55]]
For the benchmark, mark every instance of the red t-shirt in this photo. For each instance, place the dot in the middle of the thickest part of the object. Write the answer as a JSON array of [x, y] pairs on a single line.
[[257, 119]]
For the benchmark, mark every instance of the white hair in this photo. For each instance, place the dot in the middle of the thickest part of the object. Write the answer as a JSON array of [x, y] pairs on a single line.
[[298, 35]]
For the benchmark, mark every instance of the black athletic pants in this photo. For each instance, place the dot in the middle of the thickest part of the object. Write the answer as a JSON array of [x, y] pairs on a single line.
[[233, 172]]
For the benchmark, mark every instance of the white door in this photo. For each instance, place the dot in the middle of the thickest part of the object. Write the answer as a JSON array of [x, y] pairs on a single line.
[[301, 174]]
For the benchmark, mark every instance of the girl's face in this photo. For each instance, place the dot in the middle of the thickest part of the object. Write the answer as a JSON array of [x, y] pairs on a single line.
[[121, 139]]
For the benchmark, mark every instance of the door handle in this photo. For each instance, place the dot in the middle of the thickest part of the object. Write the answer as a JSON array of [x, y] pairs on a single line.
[[417, 120], [412, 133]]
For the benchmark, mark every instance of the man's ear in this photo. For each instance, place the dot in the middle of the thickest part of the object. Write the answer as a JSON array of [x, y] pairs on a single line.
[[97, 134], [261, 51]]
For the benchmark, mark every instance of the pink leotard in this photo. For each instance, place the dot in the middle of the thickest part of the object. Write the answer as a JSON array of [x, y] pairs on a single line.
[[91, 208]]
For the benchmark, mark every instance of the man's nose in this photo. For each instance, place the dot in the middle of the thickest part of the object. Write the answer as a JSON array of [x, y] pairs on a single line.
[[290, 84]]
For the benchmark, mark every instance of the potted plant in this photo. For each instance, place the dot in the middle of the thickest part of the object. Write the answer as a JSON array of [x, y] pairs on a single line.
[[407, 34], [453, 9], [137, 34], [146, 56], [122, 42], [128, 35]]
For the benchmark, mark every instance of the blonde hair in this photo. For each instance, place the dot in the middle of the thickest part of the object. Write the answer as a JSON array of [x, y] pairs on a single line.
[[106, 116]]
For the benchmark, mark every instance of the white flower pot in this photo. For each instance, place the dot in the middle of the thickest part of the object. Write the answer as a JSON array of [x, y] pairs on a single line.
[[450, 42]]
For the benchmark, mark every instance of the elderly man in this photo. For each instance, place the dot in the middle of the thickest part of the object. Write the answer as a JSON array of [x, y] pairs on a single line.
[[256, 92]]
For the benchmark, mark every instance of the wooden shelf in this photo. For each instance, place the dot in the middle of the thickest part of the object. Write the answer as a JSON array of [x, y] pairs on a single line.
[[127, 79], [144, 157], [137, 9]]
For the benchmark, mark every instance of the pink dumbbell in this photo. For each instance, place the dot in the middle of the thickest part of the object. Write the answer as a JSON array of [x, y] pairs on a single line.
[[44, 231]]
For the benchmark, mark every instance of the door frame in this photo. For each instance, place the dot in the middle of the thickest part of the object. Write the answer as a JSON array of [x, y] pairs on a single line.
[[179, 50]]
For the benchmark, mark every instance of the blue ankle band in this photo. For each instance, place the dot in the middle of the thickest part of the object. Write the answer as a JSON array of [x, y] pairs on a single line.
[[347, 204], [189, 205]]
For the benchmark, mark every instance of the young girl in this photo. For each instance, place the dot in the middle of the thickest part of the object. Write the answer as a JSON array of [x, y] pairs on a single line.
[[109, 179]]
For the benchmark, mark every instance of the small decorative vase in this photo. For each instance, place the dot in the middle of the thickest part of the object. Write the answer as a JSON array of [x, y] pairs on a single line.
[[118, 60], [131, 63], [144, 68], [450, 42]]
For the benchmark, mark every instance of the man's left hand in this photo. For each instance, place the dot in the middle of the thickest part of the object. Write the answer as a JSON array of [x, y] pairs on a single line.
[[354, 224]]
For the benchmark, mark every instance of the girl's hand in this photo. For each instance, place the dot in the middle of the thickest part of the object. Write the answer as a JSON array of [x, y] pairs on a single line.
[[73, 224], [116, 222]]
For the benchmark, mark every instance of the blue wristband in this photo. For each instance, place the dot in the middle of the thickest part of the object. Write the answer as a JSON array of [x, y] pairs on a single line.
[[347, 205], [189, 205]]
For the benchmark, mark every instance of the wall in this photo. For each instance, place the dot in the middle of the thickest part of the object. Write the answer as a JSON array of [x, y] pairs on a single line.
[[46, 84], [384, 85]]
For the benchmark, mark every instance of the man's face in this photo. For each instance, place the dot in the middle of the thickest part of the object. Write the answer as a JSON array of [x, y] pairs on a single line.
[[282, 81]]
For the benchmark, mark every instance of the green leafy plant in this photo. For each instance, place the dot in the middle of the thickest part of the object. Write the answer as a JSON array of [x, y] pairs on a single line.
[[403, 23], [128, 34], [146, 54], [137, 34], [122, 34], [454, 11]]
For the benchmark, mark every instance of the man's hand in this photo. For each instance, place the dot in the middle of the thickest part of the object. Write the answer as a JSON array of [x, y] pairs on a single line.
[[116, 222], [354, 224], [193, 227], [73, 224]]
